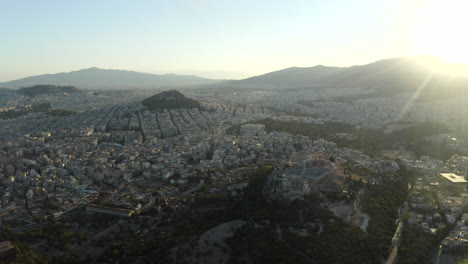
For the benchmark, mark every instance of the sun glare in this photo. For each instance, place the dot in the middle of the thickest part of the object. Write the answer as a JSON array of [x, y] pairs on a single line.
[[440, 29]]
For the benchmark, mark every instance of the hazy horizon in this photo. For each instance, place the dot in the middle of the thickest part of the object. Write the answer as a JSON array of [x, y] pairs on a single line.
[[211, 39]]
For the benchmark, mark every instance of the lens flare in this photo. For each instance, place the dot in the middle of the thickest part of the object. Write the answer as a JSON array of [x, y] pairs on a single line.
[[439, 29]]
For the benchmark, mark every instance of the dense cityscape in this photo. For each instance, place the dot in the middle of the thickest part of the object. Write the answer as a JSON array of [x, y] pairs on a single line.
[[234, 132], [111, 170]]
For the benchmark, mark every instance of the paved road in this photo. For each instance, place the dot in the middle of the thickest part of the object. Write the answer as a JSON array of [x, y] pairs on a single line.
[[398, 235], [393, 256]]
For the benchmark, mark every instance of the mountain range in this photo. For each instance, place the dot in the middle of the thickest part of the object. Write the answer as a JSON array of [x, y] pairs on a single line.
[[102, 78], [399, 73], [405, 73]]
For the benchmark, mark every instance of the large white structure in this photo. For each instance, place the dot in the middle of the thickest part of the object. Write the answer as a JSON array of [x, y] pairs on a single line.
[[453, 181]]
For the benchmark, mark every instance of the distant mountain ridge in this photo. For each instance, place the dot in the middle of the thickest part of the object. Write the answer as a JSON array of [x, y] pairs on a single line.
[[400, 73], [102, 78], [405, 73]]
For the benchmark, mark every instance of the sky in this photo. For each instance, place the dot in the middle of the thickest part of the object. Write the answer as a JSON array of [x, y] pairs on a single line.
[[221, 39]]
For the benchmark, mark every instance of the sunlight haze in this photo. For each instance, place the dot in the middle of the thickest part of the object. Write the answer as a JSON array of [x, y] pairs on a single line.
[[439, 29], [215, 39]]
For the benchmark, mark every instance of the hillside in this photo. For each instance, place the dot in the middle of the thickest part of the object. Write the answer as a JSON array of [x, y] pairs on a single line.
[[408, 72], [47, 89], [6, 90], [294, 76], [170, 100], [101, 78], [400, 74]]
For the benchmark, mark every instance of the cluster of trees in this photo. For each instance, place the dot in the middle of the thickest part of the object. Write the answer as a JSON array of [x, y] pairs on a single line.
[[14, 113], [338, 243], [57, 235], [264, 244], [382, 203], [210, 210], [23, 254], [10, 114], [47, 89], [416, 246], [261, 245], [60, 112], [133, 247]]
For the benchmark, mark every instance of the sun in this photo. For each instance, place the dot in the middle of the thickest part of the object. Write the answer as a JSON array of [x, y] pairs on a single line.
[[440, 29]]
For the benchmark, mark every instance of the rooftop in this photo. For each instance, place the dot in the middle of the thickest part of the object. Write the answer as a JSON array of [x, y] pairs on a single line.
[[453, 177]]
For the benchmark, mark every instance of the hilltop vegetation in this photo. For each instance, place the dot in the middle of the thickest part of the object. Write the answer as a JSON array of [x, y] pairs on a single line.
[[109, 79], [14, 113], [258, 241], [170, 100], [60, 112], [35, 108], [47, 89]]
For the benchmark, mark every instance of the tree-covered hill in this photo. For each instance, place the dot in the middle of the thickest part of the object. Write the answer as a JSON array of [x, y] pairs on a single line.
[[170, 100], [47, 89]]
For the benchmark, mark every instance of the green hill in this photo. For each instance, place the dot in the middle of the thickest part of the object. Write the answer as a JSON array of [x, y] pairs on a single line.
[[170, 100], [47, 89]]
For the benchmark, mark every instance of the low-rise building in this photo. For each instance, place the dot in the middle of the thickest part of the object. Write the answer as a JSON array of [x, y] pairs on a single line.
[[453, 182]]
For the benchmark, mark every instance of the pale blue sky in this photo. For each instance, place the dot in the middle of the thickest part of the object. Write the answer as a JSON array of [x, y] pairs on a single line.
[[211, 38]]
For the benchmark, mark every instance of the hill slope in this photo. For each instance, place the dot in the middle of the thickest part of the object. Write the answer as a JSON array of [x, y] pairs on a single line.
[[402, 74], [169, 100], [101, 78], [47, 89], [294, 76], [6, 90]]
